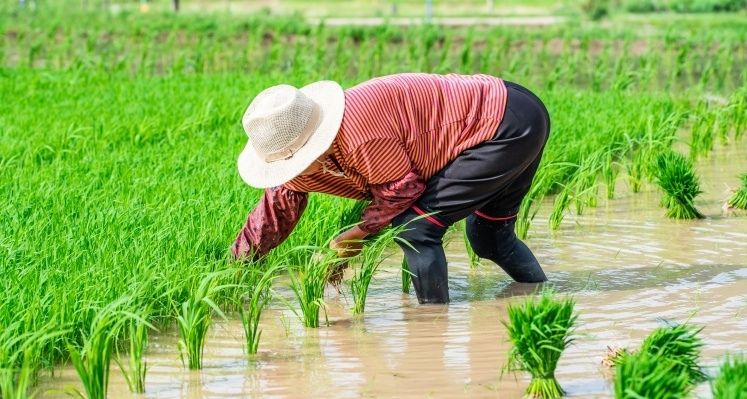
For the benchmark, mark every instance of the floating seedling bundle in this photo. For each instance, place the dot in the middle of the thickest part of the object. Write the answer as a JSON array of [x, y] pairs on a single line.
[[539, 331], [667, 364], [731, 381], [739, 198], [676, 177]]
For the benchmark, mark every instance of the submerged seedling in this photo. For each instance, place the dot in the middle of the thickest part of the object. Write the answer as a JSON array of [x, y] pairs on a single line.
[[676, 177], [540, 330], [731, 381], [646, 375], [194, 319], [739, 199], [258, 298]]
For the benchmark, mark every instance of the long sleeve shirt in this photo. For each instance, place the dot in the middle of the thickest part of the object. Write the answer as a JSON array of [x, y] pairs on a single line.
[[397, 132]]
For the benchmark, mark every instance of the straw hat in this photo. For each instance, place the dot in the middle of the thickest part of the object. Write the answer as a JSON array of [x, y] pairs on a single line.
[[288, 129]]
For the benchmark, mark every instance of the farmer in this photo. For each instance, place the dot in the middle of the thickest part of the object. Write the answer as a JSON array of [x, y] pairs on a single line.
[[426, 150]]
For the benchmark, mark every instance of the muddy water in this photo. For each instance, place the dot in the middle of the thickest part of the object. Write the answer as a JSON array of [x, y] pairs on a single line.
[[627, 266]]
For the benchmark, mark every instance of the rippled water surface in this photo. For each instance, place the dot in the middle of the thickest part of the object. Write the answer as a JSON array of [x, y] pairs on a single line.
[[626, 265]]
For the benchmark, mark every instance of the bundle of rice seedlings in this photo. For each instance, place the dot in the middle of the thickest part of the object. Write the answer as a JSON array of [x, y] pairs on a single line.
[[681, 343], [675, 176], [539, 331], [646, 375], [739, 199], [731, 381]]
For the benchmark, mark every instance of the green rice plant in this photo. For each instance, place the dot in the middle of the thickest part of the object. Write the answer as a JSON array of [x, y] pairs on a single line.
[[194, 319], [137, 334], [92, 361], [370, 259], [258, 298], [406, 276], [539, 331], [681, 343], [609, 174], [731, 381], [474, 260], [16, 382], [646, 375], [308, 282], [560, 205], [677, 179], [739, 198]]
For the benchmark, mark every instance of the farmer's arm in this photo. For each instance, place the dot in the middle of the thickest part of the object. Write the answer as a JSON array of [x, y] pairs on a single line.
[[270, 223], [394, 183]]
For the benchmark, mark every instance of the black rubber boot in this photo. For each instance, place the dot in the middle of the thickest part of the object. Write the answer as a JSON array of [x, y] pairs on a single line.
[[496, 240], [425, 257]]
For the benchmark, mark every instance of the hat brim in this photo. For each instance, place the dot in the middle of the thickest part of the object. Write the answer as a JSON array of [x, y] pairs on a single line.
[[256, 172]]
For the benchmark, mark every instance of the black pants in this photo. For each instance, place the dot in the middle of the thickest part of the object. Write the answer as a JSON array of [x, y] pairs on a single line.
[[486, 185]]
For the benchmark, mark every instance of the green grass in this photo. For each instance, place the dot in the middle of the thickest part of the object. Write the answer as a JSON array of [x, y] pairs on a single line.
[[739, 198], [731, 381], [540, 329], [676, 177]]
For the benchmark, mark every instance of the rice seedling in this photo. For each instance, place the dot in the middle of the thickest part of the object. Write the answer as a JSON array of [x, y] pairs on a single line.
[[258, 298], [646, 375], [406, 277], [559, 207], [474, 260], [540, 329], [675, 176], [370, 259], [137, 334], [739, 198], [731, 381], [308, 281], [194, 319], [92, 361]]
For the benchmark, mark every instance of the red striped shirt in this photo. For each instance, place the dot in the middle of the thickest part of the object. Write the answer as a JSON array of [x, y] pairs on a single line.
[[397, 122], [397, 131]]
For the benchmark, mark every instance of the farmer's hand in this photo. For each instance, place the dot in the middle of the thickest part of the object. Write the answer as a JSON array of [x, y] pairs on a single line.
[[349, 243]]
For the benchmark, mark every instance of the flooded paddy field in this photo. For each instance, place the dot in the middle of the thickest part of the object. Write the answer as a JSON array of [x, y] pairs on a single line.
[[628, 267]]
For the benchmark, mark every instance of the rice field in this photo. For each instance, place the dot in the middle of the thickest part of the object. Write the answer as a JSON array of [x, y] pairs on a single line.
[[119, 135]]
